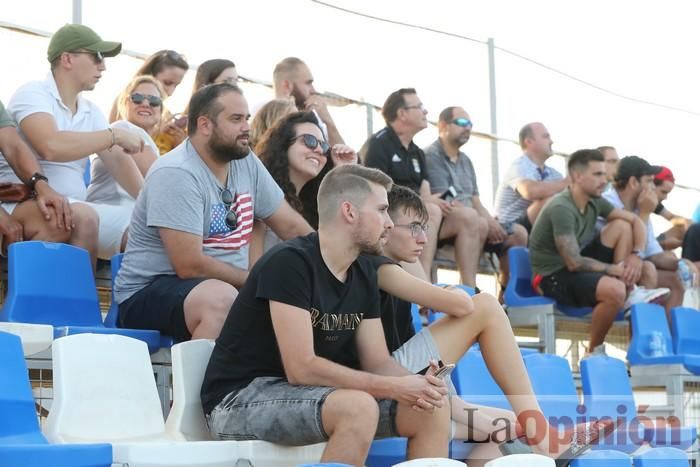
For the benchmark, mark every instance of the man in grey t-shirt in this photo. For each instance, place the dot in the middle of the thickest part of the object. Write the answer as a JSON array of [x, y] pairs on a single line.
[[450, 171], [187, 253]]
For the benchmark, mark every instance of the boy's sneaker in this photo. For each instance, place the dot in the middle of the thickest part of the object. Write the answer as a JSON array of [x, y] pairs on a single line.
[[643, 295]]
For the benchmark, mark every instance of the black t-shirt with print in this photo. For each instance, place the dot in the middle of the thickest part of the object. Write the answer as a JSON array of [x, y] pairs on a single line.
[[294, 273]]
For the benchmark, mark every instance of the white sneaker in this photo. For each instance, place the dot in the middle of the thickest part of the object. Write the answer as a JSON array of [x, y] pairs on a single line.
[[644, 295], [597, 351]]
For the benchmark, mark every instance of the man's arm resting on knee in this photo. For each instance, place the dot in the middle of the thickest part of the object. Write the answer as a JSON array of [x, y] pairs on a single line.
[[287, 223], [569, 249], [294, 333], [189, 261], [397, 282]]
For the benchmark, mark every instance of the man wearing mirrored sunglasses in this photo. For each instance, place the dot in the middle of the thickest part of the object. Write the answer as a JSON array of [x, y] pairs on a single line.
[[187, 252], [528, 183], [64, 129], [450, 167], [292, 78]]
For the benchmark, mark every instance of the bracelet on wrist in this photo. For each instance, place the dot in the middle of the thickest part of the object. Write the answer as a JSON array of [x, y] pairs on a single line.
[[114, 139]]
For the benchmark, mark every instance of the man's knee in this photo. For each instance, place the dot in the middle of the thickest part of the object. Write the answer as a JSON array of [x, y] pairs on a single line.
[[611, 290], [85, 220], [519, 236], [212, 299], [434, 212], [352, 411], [616, 229]]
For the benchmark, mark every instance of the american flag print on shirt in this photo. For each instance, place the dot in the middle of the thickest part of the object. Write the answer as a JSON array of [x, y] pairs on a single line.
[[220, 235]]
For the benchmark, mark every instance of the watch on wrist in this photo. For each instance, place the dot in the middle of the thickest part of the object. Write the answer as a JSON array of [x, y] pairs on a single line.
[[35, 179], [637, 253]]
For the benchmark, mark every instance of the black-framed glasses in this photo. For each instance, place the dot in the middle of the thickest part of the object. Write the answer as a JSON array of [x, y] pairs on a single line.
[[415, 228], [311, 142], [462, 122], [97, 57], [138, 98], [231, 218]]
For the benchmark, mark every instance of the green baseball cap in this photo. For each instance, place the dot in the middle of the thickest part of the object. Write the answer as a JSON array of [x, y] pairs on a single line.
[[76, 36]]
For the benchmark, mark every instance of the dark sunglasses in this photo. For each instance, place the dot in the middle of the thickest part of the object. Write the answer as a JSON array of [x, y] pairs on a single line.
[[462, 122], [311, 142], [97, 57], [231, 219], [137, 98]]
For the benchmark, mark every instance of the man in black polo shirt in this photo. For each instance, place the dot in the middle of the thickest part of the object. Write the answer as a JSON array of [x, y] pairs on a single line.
[[392, 151]]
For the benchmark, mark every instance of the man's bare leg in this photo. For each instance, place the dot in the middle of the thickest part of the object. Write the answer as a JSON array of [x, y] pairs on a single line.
[[207, 306], [430, 246], [610, 295], [469, 233], [617, 234], [85, 231]]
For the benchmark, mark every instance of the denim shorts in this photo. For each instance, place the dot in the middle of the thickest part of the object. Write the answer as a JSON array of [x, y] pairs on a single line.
[[271, 409]]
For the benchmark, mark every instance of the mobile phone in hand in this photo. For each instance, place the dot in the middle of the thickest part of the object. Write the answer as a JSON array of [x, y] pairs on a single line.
[[449, 193], [180, 120], [444, 371]]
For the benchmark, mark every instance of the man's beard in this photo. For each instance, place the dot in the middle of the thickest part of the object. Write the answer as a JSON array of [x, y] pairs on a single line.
[[299, 99], [224, 151]]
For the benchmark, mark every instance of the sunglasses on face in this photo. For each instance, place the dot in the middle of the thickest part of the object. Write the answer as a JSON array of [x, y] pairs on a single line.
[[462, 122], [97, 57], [311, 142], [231, 219], [138, 98]]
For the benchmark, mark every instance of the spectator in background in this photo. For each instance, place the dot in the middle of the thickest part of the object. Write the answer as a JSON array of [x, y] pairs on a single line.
[[265, 118], [292, 78], [450, 168], [168, 67], [634, 191], [664, 182], [64, 129], [187, 252], [580, 268], [611, 162], [141, 104], [295, 153], [47, 216], [528, 183], [393, 151]]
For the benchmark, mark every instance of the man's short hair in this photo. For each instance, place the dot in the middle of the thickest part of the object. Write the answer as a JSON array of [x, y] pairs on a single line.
[[580, 159], [525, 132], [447, 114], [205, 103], [284, 69], [605, 148], [406, 201], [394, 102], [348, 182]]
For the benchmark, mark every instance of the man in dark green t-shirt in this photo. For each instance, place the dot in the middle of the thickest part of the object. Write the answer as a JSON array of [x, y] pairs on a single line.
[[573, 264]]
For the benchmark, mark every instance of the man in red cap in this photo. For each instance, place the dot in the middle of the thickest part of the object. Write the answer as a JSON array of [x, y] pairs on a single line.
[[664, 182]]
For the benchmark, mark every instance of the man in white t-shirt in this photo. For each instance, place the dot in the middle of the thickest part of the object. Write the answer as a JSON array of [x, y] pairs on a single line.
[[64, 129], [292, 78]]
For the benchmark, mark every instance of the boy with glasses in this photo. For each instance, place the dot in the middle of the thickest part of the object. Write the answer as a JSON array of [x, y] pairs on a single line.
[[448, 167], [64, 129], [187, 252]]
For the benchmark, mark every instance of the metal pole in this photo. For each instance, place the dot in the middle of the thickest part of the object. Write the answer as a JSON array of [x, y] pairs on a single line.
[[77, 11], [494, 119], [370, 120]]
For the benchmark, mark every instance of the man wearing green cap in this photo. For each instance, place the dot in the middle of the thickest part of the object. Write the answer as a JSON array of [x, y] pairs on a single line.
[[64, 129]]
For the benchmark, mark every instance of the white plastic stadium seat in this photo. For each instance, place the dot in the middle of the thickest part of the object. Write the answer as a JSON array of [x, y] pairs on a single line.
[[104, 391], [186, 419], [522, 460], [432, 462], [35, 337]]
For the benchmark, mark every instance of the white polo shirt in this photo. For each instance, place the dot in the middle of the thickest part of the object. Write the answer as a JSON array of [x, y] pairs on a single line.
[[43, 97]]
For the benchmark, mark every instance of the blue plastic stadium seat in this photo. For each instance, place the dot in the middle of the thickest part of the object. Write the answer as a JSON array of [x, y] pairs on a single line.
[[387, 452], [21, 441], [608, 393], [649, 320], [519, 291], [602, 458], [87, 176], [53, 283], [662, 457], [686, 341], [475, 384], [553, 384]]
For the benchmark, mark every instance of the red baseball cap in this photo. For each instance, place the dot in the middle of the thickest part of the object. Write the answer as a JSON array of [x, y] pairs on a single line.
[[665, 175]]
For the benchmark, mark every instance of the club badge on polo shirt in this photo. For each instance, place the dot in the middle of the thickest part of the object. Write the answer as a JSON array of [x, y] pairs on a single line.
[[416, 166], [396, 158]]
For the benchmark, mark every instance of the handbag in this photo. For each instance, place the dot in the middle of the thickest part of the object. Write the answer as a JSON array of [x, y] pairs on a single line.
[[14, 192]]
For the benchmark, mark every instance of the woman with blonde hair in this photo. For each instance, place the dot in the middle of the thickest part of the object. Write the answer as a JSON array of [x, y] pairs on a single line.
[[266, 117]]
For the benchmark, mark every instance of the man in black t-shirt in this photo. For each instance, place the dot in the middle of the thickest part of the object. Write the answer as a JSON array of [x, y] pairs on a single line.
[[273, 374], [479, 319], [393, 151]]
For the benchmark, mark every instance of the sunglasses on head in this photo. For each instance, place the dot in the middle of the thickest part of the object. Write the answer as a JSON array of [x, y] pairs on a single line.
[[462, 122], [97, 57], [311, 142], [154, 101], [231, 219]]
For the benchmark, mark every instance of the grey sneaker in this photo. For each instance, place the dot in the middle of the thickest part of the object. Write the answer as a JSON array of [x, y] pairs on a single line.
[[644, 295], [597, 350]]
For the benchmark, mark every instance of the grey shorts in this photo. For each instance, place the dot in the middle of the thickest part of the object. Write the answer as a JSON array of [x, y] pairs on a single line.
[[271, 409], [416, 353]]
